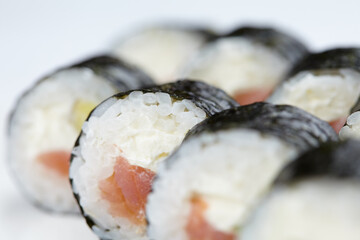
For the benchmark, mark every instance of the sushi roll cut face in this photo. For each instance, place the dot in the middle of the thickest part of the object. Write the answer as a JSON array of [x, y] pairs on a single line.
[[326, 91], [316, 208], [118, 152], [208, 187], [162, 51], [315, 197], [327, 95], [214, 180], [244, 65], [47, 120]]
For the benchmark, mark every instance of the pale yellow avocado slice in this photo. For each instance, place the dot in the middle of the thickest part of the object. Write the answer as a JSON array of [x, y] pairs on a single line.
[[81, 110]]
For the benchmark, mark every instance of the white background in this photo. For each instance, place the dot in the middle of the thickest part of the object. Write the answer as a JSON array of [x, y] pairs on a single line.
[[37, 37]]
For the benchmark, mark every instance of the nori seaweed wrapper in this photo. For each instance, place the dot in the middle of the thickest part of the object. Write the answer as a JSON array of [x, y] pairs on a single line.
[[334, 159], [332, 59], [291, 124], [208, 98], [121, 74], [287, 46]]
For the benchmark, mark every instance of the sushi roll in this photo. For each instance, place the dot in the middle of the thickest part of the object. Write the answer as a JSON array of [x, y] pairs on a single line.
[[315, 197], [206, 189], [326, 84], [121, 145], [247, 63], [352, 127], [161, 51], [47, 119]]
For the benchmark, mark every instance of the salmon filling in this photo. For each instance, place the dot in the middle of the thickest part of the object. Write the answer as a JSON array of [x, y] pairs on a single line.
[[126, 190], [57, 161], [338, 124], [252, 95], [198, 228]]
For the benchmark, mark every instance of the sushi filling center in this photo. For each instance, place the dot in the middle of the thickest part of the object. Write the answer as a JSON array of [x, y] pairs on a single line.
[[59, 160], [252, 95], [126, 190], [198, 228]]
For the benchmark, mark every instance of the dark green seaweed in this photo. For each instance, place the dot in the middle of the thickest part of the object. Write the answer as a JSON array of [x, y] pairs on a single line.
[[332, 59], [334, 159], [291, 124], [208, 98], [123, 75], [287, 46]]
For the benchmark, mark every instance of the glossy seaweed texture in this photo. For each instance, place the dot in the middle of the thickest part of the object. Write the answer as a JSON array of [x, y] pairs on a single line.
[[208, 98], [123, 75], [332, 59], [287, 46], [334, 159], [291, 124]]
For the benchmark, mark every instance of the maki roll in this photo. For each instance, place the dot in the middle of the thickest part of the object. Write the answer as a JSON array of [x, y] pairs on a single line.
[[163, 50], [47, 119], [352, 127], [247, 63], [206, 189], [326, 84], [121, 145], [315, 197]]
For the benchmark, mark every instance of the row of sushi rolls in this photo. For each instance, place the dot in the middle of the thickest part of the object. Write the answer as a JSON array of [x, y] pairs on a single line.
[[184, 133]]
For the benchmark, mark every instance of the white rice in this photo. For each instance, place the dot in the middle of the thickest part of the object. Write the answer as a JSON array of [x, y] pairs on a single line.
[[327, 96], [230, 170], [142, 128], [352, 128], [43, 122], [237, 64], [319, 208], [160, 52]]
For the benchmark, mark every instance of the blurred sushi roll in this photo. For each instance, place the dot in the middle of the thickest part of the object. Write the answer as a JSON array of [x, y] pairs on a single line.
[[352, 127], [162, 51], [47, 119], [326, 84], [315, 197], [247, 63], [124, 139], [209, 185]]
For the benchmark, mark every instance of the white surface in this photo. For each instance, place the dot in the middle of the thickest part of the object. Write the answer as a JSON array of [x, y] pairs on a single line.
[[37, 37]]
